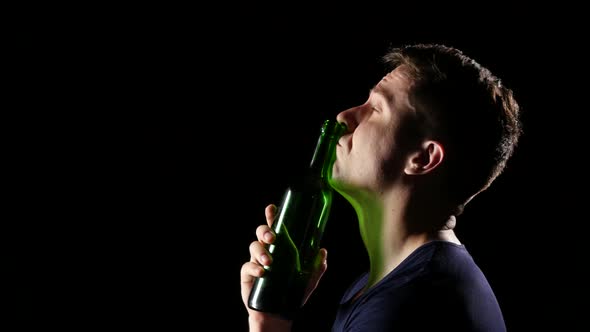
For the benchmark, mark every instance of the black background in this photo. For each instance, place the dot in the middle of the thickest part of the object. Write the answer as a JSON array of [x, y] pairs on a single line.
[[162, 136]]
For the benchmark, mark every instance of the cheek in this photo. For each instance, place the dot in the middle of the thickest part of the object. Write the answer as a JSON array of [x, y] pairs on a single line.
[[385, 159], [378, 147], [366, 161], [367, 164]]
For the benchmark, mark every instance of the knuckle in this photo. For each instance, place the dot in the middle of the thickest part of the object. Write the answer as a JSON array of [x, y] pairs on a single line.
[[261, 229], [245, 267], [254, 246]]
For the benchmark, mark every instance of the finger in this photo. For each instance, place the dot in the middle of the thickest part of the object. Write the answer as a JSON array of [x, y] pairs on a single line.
[[250, 271], [322, 264], [265, 234], [259, 254], [270, 212], [320, 267]]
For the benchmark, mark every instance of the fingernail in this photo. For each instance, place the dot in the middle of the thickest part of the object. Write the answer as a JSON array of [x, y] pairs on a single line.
[[264, 258], [268, 236]]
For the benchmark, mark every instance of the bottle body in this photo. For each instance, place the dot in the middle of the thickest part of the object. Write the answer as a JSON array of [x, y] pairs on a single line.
[[299, 225]]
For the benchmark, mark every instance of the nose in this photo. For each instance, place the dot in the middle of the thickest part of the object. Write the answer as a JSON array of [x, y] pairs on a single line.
[[350, 118]]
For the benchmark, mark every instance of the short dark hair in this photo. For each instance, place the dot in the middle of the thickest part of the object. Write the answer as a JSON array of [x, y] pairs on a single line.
[[465, 107]]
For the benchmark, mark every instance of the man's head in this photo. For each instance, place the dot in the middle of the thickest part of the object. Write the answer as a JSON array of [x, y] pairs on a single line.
[[437, 113], [466, 108]]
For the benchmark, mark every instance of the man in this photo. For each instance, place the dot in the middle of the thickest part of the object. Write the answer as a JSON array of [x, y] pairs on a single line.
[[433, 133]]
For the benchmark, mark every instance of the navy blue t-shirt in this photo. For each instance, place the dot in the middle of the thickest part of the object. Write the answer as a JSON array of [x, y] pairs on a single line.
[[436, 288]]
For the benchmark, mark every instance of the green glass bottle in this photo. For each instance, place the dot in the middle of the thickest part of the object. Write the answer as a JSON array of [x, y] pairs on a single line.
[[299, 224]]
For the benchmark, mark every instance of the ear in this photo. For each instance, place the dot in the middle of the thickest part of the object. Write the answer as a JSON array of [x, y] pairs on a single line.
[[426, 159]]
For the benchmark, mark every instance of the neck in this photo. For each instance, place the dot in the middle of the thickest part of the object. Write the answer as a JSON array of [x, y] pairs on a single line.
[[385, 229]]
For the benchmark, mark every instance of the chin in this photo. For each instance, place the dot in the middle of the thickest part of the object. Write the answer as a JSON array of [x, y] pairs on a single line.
[[334, 181], [337, 182]]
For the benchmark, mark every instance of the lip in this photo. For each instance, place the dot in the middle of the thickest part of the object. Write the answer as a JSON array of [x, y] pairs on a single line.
[[342, 140]]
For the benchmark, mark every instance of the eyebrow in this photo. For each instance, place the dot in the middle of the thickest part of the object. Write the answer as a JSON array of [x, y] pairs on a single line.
[[379, 91]]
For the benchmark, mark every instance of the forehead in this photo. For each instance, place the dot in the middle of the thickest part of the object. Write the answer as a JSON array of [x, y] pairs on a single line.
[[395, 85]]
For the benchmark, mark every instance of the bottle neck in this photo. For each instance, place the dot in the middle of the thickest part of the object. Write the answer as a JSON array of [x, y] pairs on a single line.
[[324, 154]]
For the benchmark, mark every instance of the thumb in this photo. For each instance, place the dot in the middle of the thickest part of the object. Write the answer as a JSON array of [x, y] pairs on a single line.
[[321, 265]]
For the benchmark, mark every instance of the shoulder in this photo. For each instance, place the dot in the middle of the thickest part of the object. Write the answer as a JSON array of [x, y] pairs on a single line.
[[440, 287], [456, 290], [452, 271]]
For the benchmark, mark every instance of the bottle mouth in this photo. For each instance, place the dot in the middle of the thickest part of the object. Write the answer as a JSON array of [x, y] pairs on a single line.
[[333, 128]]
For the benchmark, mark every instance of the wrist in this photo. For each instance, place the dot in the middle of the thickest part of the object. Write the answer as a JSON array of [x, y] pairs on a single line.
[[268, 323]]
